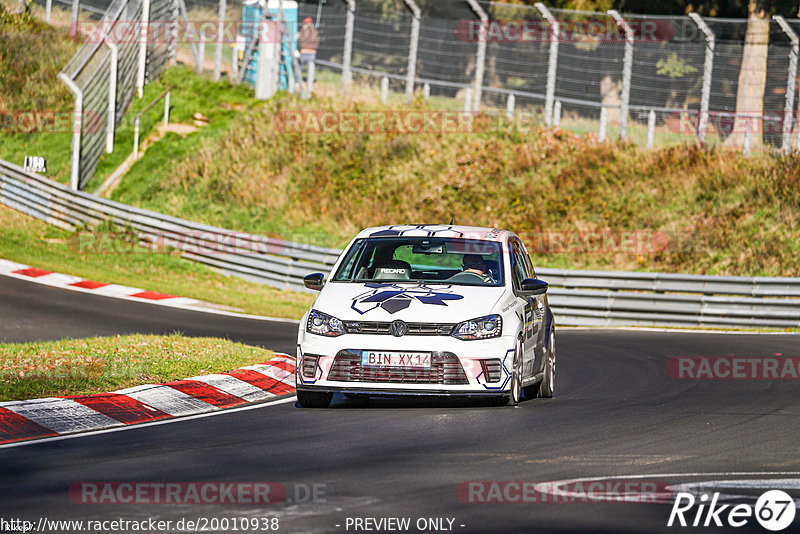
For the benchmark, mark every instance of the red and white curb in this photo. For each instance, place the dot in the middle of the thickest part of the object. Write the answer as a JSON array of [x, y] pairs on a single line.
[[55, 416], [76, 283], [26, 272]]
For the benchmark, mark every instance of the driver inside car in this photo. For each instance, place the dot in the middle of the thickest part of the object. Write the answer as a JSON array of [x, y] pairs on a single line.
[[475, 264]]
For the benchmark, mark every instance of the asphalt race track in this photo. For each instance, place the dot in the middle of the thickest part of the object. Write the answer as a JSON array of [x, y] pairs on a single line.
[[617, 413]]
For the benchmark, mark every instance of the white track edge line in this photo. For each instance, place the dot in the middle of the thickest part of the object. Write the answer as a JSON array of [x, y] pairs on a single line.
[[262, 404], [163, 302]]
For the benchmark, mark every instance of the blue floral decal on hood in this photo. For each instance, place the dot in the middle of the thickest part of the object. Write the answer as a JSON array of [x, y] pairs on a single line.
[[394, 297]]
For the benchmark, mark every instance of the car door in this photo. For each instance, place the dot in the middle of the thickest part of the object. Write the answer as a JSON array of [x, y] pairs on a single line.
[[520, 270], [539, 316]]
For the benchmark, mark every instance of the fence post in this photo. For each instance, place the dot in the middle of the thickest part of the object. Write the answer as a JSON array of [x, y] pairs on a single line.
[[510, 105], [557, 114], [552, 63], [791, 80], [480, 60], [48, 7], [467, 101], [601, 135], [191, 34], [708, 67], [384, 89], [112, 95], [220, 31], [627, 67], [143, 36], [75, 11], [651, 128], [77, 126], [347, 74], [172, 40], [426, 90], [202, 60], [412, 48], [166, 109]]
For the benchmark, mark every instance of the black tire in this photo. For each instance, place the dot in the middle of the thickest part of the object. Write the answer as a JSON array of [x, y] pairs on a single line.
[[314, 399]]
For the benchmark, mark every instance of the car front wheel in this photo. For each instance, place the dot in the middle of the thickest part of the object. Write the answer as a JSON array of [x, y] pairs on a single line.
[[548, 383]]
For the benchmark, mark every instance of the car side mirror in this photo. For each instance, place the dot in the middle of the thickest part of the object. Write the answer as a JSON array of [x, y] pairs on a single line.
[[314, 281], [535, 286]]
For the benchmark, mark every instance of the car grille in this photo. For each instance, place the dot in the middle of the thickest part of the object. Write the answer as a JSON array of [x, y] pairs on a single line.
[[414, 329], [445, 369]]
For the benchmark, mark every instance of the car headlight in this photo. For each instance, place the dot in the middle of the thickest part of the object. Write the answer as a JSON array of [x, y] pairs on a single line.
[[323, 324], [480, 328]]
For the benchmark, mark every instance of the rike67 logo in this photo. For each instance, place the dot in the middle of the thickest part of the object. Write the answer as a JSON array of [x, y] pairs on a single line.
[[774, 510]]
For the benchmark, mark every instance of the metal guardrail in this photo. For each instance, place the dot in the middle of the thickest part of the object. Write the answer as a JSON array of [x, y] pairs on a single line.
[[593, 298]]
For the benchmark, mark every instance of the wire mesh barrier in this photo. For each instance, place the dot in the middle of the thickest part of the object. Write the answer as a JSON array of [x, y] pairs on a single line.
[[126, 48], [577, 297], [652, 79]]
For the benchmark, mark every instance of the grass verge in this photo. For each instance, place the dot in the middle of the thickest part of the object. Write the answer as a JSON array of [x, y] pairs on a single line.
[[32, 242], [104, 364]]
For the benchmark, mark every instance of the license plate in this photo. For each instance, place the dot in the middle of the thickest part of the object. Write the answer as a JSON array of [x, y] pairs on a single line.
[[406, 360]]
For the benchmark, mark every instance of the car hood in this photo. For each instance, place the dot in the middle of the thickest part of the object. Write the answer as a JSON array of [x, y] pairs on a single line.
[[418, 303]]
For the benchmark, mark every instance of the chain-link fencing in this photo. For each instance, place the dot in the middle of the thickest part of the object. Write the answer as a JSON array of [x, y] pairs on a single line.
[[654, 80]]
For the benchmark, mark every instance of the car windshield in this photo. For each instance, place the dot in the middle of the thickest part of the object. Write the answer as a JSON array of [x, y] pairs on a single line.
[[425, 260]]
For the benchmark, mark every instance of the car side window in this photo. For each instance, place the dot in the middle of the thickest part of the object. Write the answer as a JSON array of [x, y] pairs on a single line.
[[519, 267]]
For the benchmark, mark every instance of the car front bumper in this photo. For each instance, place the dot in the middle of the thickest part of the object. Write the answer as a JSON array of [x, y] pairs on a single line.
[[467, 353]]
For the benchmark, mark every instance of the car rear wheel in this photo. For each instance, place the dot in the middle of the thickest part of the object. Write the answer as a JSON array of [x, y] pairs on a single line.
[[314, 399]]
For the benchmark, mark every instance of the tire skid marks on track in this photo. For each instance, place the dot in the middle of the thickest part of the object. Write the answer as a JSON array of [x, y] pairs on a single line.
[[53, 416]]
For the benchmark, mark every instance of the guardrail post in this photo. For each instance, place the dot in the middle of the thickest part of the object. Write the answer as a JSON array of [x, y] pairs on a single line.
[[384, 89], [480, 59], [347, 55], [627, 68], [552, 63], [510, 105], [791, 80], [220, 32], [411, 73], [77, 126], [651, 128], [708, 68], [143, 37], [112, 95], [601, 134]]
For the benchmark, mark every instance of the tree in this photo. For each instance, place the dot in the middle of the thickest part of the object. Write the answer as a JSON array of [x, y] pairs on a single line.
[[752, 75]]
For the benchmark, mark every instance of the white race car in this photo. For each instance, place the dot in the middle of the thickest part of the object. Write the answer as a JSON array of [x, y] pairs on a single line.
[[428, 310]]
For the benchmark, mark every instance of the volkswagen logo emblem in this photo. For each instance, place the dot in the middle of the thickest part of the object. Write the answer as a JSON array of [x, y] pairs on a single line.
[[398, 328]]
